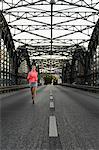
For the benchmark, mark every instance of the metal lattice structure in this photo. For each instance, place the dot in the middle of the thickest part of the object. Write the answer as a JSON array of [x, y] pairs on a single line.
[[51, 27], [10, 59], [94, 55], [6, 54]]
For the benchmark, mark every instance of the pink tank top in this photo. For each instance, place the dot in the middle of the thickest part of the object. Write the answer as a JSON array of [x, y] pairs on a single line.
[[32, 76]]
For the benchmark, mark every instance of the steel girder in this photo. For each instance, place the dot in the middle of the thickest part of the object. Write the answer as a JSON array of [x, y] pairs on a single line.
[[78, 65], [40, 44], [6, 34], [9, 58], [93, 48], [74, 69], [7, 71], [66, 72], [72, 12], [86, 58], [22, 54], [94, 41]]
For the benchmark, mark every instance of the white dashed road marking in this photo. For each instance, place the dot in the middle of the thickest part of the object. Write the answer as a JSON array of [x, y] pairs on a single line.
[[51, 104], [51, 97], [52, 127]]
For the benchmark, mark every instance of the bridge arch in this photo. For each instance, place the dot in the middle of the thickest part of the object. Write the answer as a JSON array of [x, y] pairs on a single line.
[[10, 59], [78, 65], [93, 49], [94, 41], [23, 64], [66, 72], [7, 71]]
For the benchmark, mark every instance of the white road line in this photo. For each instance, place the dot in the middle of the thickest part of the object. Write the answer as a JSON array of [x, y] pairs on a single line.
[[51, 104], [52, 127], [51, 94], [51, 97]]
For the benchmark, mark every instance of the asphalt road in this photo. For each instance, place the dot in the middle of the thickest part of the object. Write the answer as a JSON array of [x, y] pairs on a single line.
[[25, 126]]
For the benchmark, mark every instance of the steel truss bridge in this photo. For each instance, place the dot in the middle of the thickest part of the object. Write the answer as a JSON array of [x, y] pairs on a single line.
[[65, 30]]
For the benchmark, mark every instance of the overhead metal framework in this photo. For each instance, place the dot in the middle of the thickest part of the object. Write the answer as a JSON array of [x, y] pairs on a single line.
[[50, 29], [30, 22]]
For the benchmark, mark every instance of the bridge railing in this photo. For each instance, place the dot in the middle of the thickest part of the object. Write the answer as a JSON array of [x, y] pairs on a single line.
[[4, 89], [83, 87]]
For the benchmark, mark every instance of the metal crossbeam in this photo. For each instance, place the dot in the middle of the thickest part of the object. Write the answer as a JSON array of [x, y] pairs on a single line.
[[43, 27], [34, 10]]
